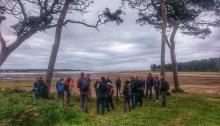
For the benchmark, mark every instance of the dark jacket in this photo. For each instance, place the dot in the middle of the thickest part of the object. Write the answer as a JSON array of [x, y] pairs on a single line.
[[118, 83], [141, 84], [126, 92], [134, 86], [150, 83], [164, 86], [102, 89]]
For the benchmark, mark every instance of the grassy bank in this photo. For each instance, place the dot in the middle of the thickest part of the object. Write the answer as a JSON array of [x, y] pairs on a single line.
[[183, 110]]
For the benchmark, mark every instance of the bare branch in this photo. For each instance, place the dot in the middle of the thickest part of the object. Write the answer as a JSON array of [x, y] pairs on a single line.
[[22, 9], [82, 23]]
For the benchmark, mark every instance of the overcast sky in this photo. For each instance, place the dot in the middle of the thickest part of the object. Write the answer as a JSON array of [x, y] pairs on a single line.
[[127, 46]]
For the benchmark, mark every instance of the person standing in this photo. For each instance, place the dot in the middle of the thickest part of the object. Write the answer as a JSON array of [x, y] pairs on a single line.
[[157, 88], [141, 86], [101, 94], [110, 93], [149, 85], [42, 88], [164, 90], [134, 88], [118, 86], [127, 96], [84, 89], [70, 85], [60, 87], [67, 89], [36, 88]]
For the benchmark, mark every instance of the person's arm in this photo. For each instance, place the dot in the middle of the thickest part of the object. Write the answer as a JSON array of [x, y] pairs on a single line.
[[168, 86], [34, 85], [123, 91], [78, 83], [90, 91]]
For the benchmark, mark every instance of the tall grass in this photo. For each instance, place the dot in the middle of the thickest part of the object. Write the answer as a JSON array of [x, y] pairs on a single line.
[[24, 110]]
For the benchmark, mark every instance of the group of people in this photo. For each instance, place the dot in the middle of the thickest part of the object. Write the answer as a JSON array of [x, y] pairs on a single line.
[[64, 88], [40, 88], [104, 92], [134, 91]]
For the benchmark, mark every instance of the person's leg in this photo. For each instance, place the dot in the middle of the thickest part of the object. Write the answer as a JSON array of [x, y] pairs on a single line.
[[140, 96], [86, 98], [103, 104], [81, 102], [133, 100], [146, 93], [137, 98], [111, 102], [164, 93], [157, 95], [108, 103], [117, 90], [98, 105], [125, 104], [129, 105], [150, 92]]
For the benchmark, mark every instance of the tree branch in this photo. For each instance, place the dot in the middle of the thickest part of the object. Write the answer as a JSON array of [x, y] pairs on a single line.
[[173, 34], [167, 41], [22, 9], [2, 40], [82, 23]]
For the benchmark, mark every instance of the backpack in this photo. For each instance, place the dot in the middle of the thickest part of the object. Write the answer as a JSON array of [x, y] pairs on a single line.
[[60, 87], [84, 85], [102, 89], [57, 84]]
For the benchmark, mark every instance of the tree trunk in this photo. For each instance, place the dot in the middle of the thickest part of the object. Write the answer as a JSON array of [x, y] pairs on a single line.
[[163, 41], [3, 56], [174, 67], [173, 59], [56, 44]]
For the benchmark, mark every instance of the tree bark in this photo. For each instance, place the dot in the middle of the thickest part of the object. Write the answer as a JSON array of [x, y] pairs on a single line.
[[163, 41], [3, 56], [173, 58], [56, 44]]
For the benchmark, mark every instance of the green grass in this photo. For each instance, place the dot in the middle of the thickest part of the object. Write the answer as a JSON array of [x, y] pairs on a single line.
[[183, 110], [19, 109]]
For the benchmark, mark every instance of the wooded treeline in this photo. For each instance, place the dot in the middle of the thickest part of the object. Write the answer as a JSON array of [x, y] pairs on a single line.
[[204, 65]]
